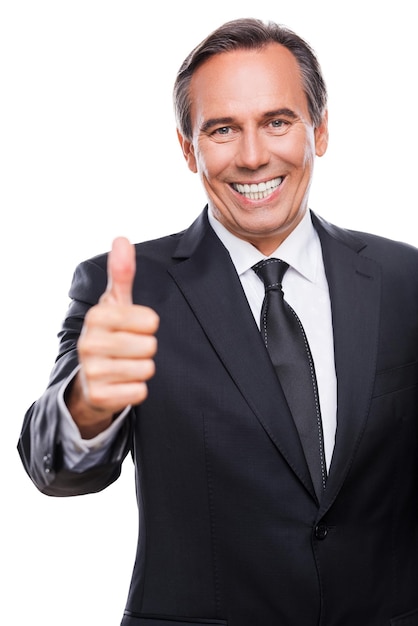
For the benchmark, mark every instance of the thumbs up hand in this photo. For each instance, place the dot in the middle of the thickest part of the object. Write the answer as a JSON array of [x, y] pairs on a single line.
[[116, 349]]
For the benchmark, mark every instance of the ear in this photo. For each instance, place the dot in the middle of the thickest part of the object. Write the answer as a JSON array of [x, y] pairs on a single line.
[[188, 152], [321, 136]]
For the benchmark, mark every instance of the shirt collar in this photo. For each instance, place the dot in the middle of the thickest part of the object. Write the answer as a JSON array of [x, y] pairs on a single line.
[[301, 249]]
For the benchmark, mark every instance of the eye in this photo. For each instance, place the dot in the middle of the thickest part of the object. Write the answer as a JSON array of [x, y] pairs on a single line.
[[223, 134], [224, 130], [279, 126]]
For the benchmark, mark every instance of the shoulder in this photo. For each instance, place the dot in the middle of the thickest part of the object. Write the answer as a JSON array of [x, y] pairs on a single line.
[[383, 250], [396, 258], [153, 259]]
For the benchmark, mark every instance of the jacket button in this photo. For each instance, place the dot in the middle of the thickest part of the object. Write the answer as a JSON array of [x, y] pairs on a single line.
[[47, 460], [321, 531]]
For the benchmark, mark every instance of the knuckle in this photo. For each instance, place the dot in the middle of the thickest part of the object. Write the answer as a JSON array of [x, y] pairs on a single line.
[[154, 320], [141, 393], [150, 345], [150, 319], [143, 370], [148, 368]]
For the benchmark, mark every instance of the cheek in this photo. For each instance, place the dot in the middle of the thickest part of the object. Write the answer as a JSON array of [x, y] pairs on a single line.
[[297, 149], [213, 161]]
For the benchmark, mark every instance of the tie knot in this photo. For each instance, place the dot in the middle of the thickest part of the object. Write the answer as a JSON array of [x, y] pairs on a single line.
[[271, 272]]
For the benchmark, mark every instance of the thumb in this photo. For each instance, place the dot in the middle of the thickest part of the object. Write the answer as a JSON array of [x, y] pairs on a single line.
[[121, 267]]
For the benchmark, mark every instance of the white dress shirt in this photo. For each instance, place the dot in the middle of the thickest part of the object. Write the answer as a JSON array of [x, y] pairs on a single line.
[[306, 290]]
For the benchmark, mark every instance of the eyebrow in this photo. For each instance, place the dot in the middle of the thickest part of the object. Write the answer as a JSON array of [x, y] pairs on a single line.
[[216, 121], [226, 121], [279, 112]]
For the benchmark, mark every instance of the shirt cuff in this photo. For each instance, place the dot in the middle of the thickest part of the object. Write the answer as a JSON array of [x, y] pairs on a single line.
[[81, 453]]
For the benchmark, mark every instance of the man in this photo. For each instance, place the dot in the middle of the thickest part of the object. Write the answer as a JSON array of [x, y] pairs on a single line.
[[234, 528]]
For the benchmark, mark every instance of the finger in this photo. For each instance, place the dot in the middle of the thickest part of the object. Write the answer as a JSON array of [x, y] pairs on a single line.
[[121, 267], [116, 345], [115, 397], [121, 395], [103, 372], [133, 318]]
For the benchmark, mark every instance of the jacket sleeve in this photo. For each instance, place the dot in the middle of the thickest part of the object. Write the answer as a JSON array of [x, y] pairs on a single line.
[[39, 446]]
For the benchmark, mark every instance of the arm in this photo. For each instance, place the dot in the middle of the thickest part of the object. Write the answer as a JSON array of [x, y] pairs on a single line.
[[113, 342]]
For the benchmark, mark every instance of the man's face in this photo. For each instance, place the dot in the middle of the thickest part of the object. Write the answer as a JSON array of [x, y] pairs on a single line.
[[253, 142]]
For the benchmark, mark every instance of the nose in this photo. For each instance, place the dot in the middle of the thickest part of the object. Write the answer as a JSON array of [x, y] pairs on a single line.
[[252, 151]]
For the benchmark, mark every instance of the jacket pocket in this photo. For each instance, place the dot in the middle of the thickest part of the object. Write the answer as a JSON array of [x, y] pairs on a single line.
[[408, 619], [130, 619], [396, 379]]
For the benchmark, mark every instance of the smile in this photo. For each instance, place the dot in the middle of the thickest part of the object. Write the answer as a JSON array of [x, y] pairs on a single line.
[[258, 191]]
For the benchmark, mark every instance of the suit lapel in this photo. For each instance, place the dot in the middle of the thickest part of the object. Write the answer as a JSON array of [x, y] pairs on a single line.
[[208, 280], [354, 284]]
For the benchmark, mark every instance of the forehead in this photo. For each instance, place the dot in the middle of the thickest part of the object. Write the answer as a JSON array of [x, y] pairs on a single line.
[[247, 82]]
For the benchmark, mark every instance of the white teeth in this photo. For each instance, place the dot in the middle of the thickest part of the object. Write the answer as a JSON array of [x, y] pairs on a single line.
[[260, 191]]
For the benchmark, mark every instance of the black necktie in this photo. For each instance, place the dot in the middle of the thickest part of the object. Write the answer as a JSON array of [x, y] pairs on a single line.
[[289, 350]]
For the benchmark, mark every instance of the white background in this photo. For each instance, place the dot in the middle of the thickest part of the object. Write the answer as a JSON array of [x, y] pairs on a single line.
[[88, 151]]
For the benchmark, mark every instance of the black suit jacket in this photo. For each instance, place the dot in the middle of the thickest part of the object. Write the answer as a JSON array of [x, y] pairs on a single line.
[[230, 530]]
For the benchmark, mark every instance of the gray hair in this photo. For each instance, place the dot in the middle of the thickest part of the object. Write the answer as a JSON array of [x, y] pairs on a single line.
[[249, 34]]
